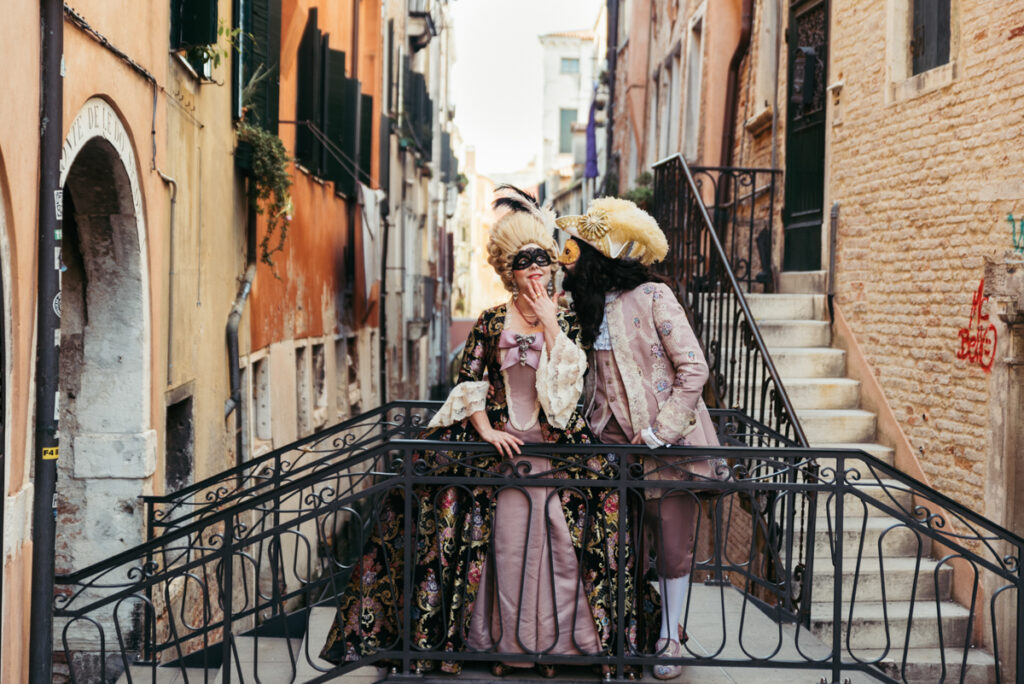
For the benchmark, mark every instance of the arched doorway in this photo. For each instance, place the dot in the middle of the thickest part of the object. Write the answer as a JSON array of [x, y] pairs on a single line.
[[108, 449]]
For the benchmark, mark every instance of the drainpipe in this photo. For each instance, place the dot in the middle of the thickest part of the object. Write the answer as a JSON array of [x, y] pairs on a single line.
[[382, 307], [234, 402], [732, 84], [170, 271], [613, 55], [44, 512]]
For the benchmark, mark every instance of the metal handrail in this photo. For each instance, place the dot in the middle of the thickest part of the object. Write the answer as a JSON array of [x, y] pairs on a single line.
[[179, 583], [720, 269]]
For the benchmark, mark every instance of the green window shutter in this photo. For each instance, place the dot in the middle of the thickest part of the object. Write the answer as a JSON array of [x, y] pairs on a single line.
[[193, 22], [262, 52], [366, 138], [384, 166], [342, 95], [308, 106], [446, 157]]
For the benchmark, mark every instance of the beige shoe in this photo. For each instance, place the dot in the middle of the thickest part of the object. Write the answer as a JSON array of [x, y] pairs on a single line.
[[668, 649]]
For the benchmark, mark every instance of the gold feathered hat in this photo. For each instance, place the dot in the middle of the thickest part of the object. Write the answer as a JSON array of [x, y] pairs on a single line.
[[618, 229]]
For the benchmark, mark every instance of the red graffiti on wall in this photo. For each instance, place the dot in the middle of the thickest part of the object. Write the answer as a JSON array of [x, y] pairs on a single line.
[[978, 339]]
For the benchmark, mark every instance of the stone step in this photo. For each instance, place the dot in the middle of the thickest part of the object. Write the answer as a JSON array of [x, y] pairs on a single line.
[[887, 492], [809, 362], [802, 282], [882, 453], [822, 393], [925, 665], [899, 541], [142, 674], [838, 425], [808, 307], [795, 333], [899, 580], [318, 624], [274, 663], [877, 625]]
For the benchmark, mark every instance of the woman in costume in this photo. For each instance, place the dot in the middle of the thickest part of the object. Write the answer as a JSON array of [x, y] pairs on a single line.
[[647, 377], [530, 570]]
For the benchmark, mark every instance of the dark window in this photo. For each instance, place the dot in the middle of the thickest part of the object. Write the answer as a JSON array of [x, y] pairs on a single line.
[[193, 23], [929, 44], [179, 445], [566, 120], [570, 65]]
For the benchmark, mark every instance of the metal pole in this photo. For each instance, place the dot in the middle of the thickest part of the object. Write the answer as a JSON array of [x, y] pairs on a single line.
[[47, 340]]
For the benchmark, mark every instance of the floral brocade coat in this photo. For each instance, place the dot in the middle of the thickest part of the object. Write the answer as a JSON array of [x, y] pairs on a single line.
[[454, 525]]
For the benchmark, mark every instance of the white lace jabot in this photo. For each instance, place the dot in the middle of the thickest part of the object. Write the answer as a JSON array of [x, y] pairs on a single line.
[[604, 338]]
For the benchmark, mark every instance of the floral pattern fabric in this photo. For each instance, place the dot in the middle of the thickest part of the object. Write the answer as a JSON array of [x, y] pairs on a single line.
[[453, 532]]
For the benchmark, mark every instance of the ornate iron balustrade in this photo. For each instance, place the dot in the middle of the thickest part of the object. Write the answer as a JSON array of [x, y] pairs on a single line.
[[742, 210], [252, 478], [233, 593], [698, 266]]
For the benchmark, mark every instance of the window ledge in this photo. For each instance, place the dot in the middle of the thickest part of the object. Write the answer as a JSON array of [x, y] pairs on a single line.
[[925, 82], [760, 122]]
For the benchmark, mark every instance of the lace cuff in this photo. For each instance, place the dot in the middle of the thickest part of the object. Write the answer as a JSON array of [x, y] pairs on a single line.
[[465, 399], [560, 380], [675, 421]]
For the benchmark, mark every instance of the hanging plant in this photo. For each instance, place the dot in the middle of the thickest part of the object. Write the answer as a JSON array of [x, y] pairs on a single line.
[[269, 184]]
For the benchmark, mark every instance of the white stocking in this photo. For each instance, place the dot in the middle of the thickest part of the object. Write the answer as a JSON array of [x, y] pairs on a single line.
[[673, 598]]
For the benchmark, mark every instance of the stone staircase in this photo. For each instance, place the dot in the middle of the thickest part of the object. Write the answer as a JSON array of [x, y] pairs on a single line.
[[280, 660], [794, 324]]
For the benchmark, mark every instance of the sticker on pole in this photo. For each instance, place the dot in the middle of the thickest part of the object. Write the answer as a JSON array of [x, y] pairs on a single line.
[[58, 204], [51, 453], [56, 304]]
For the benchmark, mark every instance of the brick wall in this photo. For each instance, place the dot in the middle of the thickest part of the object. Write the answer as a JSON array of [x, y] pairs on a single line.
[[925, 174]]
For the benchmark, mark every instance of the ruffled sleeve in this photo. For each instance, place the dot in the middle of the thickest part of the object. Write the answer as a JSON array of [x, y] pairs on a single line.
[[465, 399], [560, 380], [470, 393]]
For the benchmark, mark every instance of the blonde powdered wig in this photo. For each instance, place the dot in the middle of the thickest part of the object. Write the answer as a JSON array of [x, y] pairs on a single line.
[[525, 223]]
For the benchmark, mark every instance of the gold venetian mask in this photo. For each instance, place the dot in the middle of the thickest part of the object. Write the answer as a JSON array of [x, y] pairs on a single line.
[[571, 254]]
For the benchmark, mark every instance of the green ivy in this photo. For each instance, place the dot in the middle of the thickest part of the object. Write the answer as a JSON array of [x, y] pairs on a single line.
[[269, 186]]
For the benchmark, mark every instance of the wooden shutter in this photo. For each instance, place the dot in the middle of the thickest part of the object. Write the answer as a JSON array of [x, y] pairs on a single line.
[[309, 83], [365, 138], [262, 48], [340, 123], [446, 157]]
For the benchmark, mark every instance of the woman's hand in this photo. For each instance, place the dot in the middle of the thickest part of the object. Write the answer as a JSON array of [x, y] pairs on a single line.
[[505, 443], [544, 307]]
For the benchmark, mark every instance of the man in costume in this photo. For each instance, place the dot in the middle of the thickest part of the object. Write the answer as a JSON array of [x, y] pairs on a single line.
[[647, 374]]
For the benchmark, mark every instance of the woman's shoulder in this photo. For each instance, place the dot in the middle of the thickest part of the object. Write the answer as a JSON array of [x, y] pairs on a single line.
[[489, 316]]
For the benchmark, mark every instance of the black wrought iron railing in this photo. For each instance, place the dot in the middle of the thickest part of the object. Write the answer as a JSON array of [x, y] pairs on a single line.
[[245, 588], [741, 203], [698, 265]]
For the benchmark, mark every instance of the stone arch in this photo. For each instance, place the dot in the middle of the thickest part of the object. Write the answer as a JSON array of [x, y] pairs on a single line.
[[108, 446]]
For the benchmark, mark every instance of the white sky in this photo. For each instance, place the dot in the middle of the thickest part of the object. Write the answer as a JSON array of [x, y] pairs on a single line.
[[497, 80]]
